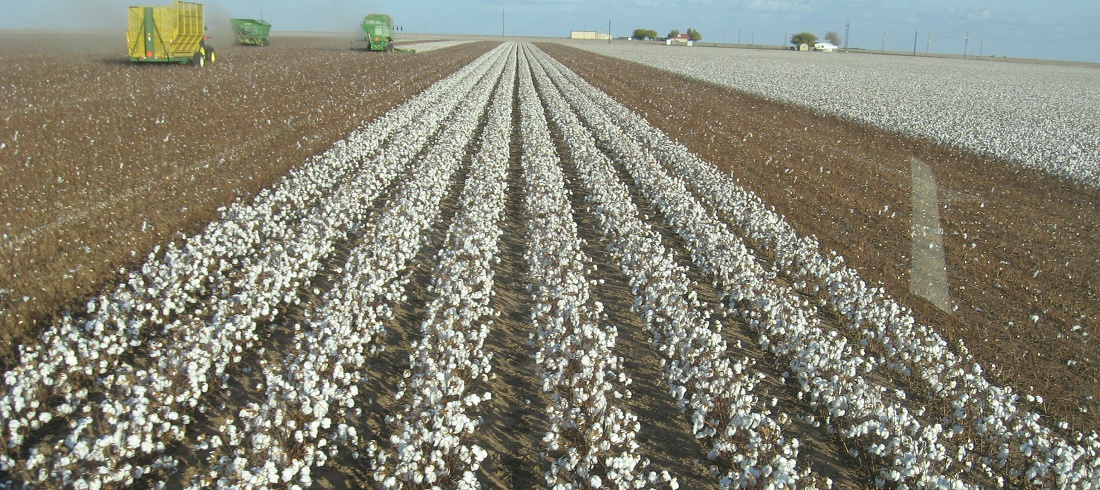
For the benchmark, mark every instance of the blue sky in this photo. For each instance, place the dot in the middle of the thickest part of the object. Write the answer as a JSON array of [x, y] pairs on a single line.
[[1020, 28]]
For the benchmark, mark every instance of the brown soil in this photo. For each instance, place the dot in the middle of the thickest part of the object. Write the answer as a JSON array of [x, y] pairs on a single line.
[[1018, 242]]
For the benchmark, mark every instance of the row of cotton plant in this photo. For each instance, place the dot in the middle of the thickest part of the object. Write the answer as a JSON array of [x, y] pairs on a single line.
[[310, 407], [141, 406], [142, 399], [591, 440], [188, 284], [736, 424], [992, 435], [53, 377], [827, 368], [141, 409], [1010, 442], [430, 443], [998, 438], [1040, 115]]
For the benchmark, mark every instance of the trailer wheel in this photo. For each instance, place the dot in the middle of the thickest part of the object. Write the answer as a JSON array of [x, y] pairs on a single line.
[[199, 60], [389, 48], [211, 56]]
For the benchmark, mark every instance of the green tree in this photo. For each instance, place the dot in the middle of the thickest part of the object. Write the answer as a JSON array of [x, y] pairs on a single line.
[[645, 34], [833, 38], [695, 36], [807, 38], [673, 34], [651, 33]]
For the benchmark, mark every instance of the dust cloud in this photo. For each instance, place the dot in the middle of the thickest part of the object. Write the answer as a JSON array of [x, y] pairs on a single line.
[[218, 26]]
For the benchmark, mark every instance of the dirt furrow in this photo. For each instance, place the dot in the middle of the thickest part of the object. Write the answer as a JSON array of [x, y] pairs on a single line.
[[665, 434], [514, 420]]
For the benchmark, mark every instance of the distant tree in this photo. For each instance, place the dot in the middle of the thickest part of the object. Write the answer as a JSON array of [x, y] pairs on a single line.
[[695, 36], [640, 33], [651, 33], [807, 38], [673, 34], [833, 38]]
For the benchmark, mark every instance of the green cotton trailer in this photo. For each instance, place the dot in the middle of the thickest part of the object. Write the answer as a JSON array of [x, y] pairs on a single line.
[[168, 34], [251, 31], [378, 32]]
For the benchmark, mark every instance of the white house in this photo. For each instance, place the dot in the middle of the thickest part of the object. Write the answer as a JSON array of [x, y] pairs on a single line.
[[684, 39], [826, 47]]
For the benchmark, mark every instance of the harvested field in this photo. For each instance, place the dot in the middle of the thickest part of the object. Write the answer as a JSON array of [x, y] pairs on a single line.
[[103, 160], [511, 280]]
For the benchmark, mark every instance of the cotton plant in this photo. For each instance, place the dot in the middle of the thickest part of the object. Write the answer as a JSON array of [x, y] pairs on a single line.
[[194, 310], [310, 410], [734, 423], [825, 367], [988, 435], [145, 408], [185, 280], [430, 445], [982, 111], [591, 439]]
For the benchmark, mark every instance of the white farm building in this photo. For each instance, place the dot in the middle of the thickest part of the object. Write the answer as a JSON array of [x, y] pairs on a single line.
[[588, 35]]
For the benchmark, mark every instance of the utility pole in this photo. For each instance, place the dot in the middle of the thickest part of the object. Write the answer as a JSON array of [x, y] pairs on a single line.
[[928, 43], [738, 35], [981, 49], [847, 25], [753, 40], [609, 30], [966, 44], [914, 43], [883, 48], [502, 22]]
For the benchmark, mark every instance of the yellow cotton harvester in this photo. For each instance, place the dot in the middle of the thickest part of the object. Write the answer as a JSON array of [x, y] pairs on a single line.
[[170, 34]]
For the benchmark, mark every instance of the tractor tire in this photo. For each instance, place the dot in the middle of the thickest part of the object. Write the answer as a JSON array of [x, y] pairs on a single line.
[[199, 60], [211, 56], [389, 48]]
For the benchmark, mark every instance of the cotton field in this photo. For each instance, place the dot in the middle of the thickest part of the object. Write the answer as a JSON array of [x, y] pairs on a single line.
[[512, 280], [424, 47], [1039, 115]]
